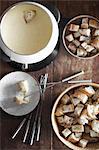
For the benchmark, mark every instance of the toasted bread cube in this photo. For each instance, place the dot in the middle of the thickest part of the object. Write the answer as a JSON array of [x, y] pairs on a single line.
[[84, 23], [72, 47], [83, 120], [95, 125], [29, 15], [77, 128], [93, 23], [23, 86], [95, 43], [76, 34], [83, 38], [83, 97], [75, 101], [72, 138], [65, 99], [85, 32], [59, 111], [89, 48], [68, 108], [91, 109], [84, 20], [78, 134], [19, 99], [68, 120], [83, 143], [78, 109], [73, 27], [89, 91], [84, 44], [96, 32], [70, 37], [76, 42], [94, 134], [66, 132], [60, 120], [81, 52]]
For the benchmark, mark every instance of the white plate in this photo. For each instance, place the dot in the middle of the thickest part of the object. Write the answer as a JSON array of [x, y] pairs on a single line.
[[8, 91]]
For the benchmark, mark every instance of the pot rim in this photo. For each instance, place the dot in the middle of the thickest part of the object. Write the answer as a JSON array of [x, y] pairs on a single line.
[[43, 53]]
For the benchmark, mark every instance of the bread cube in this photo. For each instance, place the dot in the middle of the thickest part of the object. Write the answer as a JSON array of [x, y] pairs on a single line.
[[84, 44], [91, 109], [83, 143], [93, 23], [96, 32], [78, 109], [66, 132], [89, 48], [81, 52], [94, 134], [84, 23], [23, 86], [73, 27], [76, 42], [68, 120], [75, 101], [60, 120], [70, 37], [65, 99], [89, 91], [84, 20], [83, 97], [85, 32], [68, 108], [77, 128], [72, 138], [78, 134], [83, 38], [95, 125], [72, 47], [76, 34], [20, 99], [95, 43], [59, 111]]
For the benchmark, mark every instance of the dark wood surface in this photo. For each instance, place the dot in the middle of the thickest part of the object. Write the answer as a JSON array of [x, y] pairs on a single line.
[[63, 65]]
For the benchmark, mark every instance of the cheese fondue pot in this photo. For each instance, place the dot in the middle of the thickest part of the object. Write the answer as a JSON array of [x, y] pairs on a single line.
[[28, 32]]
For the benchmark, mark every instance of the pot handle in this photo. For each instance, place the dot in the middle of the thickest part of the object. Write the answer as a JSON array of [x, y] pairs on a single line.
[[24, 66]]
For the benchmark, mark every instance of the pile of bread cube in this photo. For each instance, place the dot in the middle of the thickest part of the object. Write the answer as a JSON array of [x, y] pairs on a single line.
[[83, 38], [77, 115]]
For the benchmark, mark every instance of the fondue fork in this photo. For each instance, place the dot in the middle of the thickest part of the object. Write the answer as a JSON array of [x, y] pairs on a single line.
[[19, 127], [51, 84], [37, 121]]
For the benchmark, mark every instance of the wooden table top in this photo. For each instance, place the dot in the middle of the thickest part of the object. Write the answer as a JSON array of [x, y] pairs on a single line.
[[63, 66]]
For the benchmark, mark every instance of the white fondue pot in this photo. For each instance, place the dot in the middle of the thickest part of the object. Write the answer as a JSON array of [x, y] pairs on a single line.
[[42, 53]]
